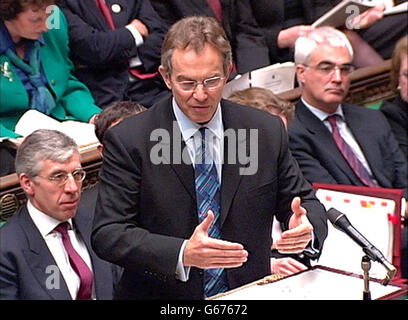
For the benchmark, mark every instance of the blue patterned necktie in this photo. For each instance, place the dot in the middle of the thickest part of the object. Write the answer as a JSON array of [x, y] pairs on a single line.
[[208, 198], [348, 154]]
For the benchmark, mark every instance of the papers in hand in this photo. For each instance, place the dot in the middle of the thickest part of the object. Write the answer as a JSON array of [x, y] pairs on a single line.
[[83, 133], [401, 8], [278, 78], [342, 14]]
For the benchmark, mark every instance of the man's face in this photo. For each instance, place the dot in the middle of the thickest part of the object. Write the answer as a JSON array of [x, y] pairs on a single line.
[[199, 104], [324, 87], [57, 201], [29, 24]]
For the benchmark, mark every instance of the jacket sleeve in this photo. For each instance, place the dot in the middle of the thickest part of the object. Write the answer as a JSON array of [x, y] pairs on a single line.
[[292, 183], [77, 100], [250, 45], [93, 46]]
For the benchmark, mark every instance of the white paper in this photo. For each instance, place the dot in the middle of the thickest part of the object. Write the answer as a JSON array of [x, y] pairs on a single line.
[[342, 12], [241, 82], [401, 8], [83, 133], [279, 77]]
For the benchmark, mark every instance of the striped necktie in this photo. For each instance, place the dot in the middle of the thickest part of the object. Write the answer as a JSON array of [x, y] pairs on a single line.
[[348, 154], [208, 198]]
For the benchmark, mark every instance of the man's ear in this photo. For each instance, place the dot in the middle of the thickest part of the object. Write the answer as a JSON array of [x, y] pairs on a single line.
[[165, 76], [300, 74], [26, 184], [100, 150]]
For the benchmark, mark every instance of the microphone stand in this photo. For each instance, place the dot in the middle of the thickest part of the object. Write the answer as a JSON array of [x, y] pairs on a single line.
[[366, 266]]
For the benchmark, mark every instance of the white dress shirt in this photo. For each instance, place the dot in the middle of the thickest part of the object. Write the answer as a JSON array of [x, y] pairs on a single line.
[[344, 131], [46, 225], [190, 130]]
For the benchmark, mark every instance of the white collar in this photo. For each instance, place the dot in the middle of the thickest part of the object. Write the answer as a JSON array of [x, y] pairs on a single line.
[[44, 223], [188, 128], [321, 114]]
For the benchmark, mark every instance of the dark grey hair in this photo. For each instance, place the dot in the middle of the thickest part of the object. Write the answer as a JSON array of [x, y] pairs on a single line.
[[43, 145]]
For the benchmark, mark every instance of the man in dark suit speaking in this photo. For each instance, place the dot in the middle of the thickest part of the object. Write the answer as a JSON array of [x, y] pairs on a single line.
[[188, 188]]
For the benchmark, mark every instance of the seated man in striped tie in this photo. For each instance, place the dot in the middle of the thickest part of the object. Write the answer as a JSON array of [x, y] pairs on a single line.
[[335, 142], [45, 251]]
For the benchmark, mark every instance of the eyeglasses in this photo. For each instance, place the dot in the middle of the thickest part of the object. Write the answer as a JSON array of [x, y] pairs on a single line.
[[61, 178], [209, 84], [328, 69]]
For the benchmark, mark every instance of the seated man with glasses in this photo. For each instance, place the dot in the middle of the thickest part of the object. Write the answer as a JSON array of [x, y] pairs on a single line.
[[45, 250], [335, 142]]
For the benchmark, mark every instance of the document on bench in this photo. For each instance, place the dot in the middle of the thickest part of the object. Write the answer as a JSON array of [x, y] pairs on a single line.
[[83, 133], [279, 77]]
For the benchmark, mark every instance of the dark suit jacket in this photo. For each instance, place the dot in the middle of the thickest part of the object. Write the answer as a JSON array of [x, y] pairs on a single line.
[[313, 147], [396, 112], [248, 45], [25, 262], [145, 211], [102, 55], [270, 16]]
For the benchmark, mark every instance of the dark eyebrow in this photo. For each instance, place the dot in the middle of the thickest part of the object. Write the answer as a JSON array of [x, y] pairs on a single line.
[[332, 63]]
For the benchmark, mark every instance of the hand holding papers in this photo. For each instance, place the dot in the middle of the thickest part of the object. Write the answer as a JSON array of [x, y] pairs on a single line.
[[346, 11], [342, 14]]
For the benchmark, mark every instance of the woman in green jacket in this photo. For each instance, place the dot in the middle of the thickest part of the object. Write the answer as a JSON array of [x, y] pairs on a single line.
[[35, 69]]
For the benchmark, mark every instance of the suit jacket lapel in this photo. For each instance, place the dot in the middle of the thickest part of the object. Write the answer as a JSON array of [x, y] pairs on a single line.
[[184, 171], [201, 7], [92, 8], [40, 260], [231, 176], [323, 135], [362, 137]]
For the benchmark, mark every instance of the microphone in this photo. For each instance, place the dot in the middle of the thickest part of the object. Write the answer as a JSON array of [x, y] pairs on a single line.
[[340, 222]]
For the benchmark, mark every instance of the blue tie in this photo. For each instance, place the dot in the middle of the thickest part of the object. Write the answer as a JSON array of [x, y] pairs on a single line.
[[208, 198]]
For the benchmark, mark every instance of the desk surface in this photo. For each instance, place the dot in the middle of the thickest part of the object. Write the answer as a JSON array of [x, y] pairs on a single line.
[[317, 283]]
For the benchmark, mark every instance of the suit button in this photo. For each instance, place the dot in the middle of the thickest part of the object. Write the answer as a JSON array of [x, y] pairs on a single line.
[[53, 82]]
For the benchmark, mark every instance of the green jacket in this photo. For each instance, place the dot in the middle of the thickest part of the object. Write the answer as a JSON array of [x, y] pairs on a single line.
[[73, 99]]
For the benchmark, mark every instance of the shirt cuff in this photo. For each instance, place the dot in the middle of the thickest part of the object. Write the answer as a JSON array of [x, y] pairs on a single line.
[[135, 61], [182, 272], [136, 35]]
